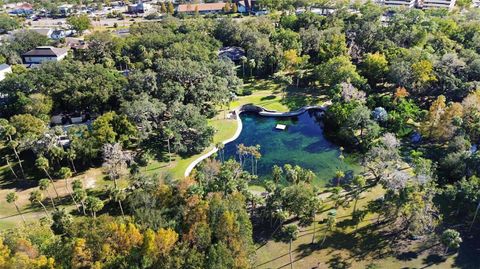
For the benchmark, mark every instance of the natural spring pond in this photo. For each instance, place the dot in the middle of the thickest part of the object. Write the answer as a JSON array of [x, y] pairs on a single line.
[[302, 143]]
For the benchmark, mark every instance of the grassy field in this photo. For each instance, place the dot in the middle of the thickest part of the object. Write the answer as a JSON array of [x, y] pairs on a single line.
[[272, 96], [370, 245], [93, 180], [224, 129]]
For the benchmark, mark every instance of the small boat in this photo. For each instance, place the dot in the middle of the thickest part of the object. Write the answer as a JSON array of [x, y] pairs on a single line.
[[281, 127]]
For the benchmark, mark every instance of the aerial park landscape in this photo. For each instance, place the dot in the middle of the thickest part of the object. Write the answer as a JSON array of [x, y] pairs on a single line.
[[239, 134]]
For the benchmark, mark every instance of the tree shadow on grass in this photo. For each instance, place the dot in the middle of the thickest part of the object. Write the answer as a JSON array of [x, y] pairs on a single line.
[[368, 241], [346, 223], [266, 98], [296, 98], [433, 259], [338, 262], [156, 147], [407, 256], [469, 253]]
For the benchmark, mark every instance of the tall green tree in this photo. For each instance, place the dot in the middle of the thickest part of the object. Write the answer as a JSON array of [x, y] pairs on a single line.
[[43, 164], [65, 173], [12, 198], [94, 205], [79, 23], [290, 233], [37, 197], [43, 185]]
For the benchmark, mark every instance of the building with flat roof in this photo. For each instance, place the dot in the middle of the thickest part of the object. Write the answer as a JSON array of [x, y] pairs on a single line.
[[425, 4], [201, 8], [428, 4], [139, 8], [397, 3]]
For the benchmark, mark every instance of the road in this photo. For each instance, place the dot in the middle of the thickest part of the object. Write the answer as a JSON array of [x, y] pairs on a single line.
[[54, 23]]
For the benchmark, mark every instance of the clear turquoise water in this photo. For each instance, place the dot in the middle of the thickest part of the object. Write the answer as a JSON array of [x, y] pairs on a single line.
[[302, 143]]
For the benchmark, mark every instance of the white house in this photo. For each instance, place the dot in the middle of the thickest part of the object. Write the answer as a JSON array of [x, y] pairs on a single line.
[[44, 54], [139, 8], [4, 70]]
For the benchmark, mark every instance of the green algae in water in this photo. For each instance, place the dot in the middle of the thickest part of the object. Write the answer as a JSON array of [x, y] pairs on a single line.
[[303, 143]]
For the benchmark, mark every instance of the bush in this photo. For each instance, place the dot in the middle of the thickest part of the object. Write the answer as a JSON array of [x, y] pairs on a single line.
[[245, 92]]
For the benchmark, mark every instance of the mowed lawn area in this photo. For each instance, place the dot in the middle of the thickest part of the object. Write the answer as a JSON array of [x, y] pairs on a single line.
[[224, 129], [371, 246], [92, 179]]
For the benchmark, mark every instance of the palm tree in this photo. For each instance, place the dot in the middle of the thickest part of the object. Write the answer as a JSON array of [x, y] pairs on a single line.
[[36, 196], [43, 185], [299, 73], [81, 195], [71, 155], [339, 175], [244, 60], [94, 205], [314, 208], [451, 239], [14, 145], [358, 182], [474, 217], [12, 197], [257, 155], [8, 131], [290, 233], [118, 196], [42, 164], [331, 222], [251, 64], [169, 135], [277, 172], [241, 151], [66, 173], [221, 147], [9, 164]]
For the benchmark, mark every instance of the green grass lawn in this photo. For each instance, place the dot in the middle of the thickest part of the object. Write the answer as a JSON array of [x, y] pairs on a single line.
[[93, 181], [224, 129], [345, 248], [272, 96]]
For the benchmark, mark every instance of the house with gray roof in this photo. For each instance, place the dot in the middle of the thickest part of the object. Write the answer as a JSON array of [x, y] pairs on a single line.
[[44, 54]]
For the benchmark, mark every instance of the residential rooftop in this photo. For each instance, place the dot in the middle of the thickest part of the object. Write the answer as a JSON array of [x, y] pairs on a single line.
[[46, 51]]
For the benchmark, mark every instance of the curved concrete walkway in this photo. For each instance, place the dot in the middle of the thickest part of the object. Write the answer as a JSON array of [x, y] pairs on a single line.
[[215, 149], [262, 112]]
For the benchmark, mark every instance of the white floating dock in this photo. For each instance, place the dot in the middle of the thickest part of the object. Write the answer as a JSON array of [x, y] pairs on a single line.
[[281, 127]]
